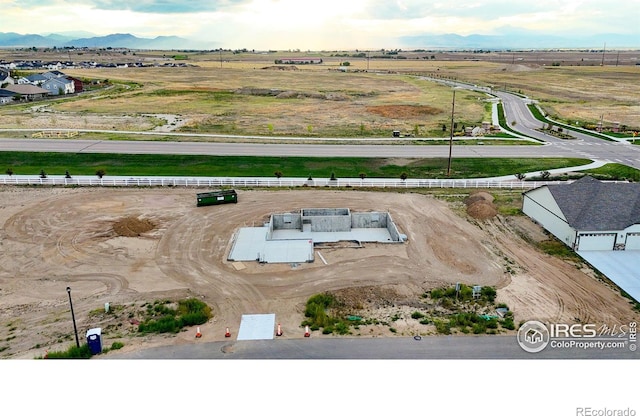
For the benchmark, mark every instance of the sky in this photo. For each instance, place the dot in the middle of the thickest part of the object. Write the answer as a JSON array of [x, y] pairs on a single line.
[[319, 24]]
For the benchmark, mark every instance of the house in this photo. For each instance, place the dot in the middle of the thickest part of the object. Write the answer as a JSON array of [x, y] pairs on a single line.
[[78, 85], [588, 215], [53, 74], [5, 77], [6, 96], [28, 92], [58, 86], [33, 79]]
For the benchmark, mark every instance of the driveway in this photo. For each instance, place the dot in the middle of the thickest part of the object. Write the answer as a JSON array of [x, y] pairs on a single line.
[[621, 267]]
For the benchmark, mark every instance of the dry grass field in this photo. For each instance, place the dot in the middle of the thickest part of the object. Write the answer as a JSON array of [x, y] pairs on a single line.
[[246, 93]]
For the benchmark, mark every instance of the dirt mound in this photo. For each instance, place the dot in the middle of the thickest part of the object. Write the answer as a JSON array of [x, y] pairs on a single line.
[[482, 210], [132, 226], [403, 111], [481, 195], [281, 67], [480, 205]]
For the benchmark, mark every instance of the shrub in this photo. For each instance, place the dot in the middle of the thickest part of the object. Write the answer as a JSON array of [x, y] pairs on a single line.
[[479, 328], [436, 293], [442, 327], [163, 319], [417, 315], [492, 323], [117, 345], [489, 293], [508, 324]]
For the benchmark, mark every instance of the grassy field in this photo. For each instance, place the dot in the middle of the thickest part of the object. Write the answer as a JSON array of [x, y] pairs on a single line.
[[246, 93], [21, 163]]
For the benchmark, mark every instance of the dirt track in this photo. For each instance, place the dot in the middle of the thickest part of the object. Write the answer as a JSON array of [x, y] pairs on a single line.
[[51, 238]]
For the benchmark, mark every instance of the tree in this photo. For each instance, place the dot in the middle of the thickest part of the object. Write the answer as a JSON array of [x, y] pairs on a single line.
[[362, 175], [9, 171], [404, 176], [333, 177], [278, 174], [67, 174], [545, 174], [520, 176], [43, 174], [100, 173]]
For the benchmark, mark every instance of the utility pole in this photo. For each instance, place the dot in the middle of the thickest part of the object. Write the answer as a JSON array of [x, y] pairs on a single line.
[[603, 51], [73, 318], [453, 105]]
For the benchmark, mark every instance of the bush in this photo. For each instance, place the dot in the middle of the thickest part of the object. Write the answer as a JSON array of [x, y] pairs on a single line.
[[508, 324], [163, 319], [417, 315], [442, 327], [436, 293], [489, 293]]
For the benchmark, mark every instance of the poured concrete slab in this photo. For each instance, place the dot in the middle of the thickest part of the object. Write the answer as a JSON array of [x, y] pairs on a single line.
[[621, 267], [259, 326], [251, 245]]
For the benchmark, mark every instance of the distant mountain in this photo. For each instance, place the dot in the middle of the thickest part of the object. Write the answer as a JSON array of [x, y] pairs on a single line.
[[520, 40], [118, 40]]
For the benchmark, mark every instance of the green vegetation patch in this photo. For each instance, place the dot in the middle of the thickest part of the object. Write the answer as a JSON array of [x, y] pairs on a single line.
[[166, 317], [29, 163]]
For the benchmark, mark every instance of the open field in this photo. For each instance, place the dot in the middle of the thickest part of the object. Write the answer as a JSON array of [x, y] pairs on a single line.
[[52, 238], [246, 93]]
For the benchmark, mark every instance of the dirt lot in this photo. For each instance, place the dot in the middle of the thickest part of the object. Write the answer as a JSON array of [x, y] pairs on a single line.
[[131, 246]]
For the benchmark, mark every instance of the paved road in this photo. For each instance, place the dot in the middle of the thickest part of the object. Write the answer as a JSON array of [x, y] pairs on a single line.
[[433, 347]]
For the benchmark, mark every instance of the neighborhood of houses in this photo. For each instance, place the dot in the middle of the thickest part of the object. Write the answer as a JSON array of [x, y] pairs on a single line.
[[36, 86], [46, 78]]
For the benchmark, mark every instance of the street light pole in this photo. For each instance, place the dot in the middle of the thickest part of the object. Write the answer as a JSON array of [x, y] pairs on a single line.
[[73, 317], [453, 105]]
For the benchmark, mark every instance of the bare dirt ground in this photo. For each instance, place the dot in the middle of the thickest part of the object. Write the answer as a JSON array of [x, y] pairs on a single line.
[[135, 246]]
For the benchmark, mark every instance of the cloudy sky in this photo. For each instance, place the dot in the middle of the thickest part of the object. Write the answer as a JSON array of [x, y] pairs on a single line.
[[319, 24]]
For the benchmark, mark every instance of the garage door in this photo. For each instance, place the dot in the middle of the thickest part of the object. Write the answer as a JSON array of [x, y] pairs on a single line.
[[596, 241], [633, 241]]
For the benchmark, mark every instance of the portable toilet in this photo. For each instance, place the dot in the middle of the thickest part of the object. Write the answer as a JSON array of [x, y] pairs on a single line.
[[94, 340]]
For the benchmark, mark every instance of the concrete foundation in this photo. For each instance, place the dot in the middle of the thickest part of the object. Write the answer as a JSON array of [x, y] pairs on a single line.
[[290, 237]]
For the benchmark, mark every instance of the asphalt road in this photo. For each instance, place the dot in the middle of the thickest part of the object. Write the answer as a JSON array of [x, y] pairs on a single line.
[[432, 347]]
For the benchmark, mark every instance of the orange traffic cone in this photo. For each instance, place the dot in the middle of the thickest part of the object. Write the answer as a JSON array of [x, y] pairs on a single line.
[[279, 331], [198, 333], [306, 331], [227, 334]]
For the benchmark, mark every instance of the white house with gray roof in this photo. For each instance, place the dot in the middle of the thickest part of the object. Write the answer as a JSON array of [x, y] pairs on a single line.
[[588, 215]]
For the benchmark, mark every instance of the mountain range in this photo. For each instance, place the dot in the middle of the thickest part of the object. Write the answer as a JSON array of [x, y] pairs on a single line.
[[117, 40], [513, 39]]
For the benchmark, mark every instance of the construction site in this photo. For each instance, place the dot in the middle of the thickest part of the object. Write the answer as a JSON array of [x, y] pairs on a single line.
[[291, 237], [377, 252]]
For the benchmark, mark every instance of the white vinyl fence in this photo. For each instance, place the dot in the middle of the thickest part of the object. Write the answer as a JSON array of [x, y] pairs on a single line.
[[269, 182]]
